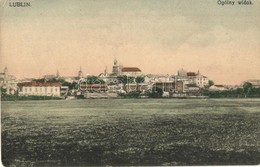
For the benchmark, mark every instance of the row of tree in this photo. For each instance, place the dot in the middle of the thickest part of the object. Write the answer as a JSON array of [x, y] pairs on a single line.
[[247, 91]]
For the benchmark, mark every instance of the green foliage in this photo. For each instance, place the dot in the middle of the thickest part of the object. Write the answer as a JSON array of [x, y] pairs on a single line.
[[15, 97], [94, 80], [73, 85], [133, 94], [125, 79], [210, 83], [247, 88], [156, 93], [139, 79], [236, 93], [3, 91], [80, 96], [39, 80]]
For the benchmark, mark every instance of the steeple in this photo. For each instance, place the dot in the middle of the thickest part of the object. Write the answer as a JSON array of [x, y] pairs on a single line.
[[80, 73], [5, 70], [116, 67], [115, 62], [57, 74], [105, 72]]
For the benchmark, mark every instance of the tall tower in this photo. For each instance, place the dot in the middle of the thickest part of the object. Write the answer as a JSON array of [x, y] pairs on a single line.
[[115, 67], [80, 73], [5, 74], [57, 74], [105, 72], [5, 70]]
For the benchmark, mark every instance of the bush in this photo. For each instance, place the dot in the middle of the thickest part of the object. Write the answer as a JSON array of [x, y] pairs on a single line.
[[156, 93], [15, 97], [236, 93], [134, 94]]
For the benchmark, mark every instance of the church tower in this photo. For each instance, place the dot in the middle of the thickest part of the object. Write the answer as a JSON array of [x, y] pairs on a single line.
[[115, 70], [80, 73], [5, 72], [57, 74], [105, 72]]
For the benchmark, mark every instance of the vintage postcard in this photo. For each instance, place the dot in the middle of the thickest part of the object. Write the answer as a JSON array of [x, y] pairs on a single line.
[[130, 82]]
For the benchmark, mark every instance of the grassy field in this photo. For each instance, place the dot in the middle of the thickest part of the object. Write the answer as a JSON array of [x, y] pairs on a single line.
[[131, 132]]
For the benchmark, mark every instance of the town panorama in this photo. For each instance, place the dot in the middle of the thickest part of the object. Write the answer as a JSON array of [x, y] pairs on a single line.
[[123, 81]]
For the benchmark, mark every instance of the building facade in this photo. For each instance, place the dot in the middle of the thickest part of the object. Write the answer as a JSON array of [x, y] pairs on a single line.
[[192, 78], [217, 88], [131, 71], [39, 88]]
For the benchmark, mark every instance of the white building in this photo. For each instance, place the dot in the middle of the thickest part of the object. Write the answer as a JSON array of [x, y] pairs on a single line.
[[217, 88], [39, 88], [153, 78], [8, 82], [119, 70], [131, 71], [201, 81], [192, 78]]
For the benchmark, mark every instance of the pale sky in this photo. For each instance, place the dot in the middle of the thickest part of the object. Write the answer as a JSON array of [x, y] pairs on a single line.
[[158, 36]]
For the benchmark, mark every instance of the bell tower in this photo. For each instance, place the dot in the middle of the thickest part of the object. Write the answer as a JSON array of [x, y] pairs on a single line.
[[115, 67], [80, 73]]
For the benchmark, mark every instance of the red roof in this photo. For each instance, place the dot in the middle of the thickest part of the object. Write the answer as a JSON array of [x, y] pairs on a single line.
[[219, 86], [39, 84], [191, 74], [131, 69]]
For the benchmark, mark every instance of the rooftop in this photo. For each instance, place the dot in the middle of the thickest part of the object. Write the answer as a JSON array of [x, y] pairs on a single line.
[[191, 74], [131, 69], [39, 84], [219, 86]]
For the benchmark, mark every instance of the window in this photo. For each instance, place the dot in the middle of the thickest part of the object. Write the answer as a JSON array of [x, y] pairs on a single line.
[[36, 89], [45, 89], [56, 90], [30, 89], [51, 89], [25, 89]]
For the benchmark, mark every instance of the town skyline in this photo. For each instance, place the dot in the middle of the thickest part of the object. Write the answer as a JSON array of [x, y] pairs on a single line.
[[158, 37], [109, 70]]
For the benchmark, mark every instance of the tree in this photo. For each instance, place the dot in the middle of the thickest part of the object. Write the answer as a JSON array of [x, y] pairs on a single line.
[[125, 80], [3, 92], [138, 80], [73, 85], [39, 80], [247, 87], [94, 80], [210, 83], [156, 92]]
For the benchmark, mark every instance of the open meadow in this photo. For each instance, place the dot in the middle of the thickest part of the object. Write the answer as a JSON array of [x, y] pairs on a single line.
[[131, 132]]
